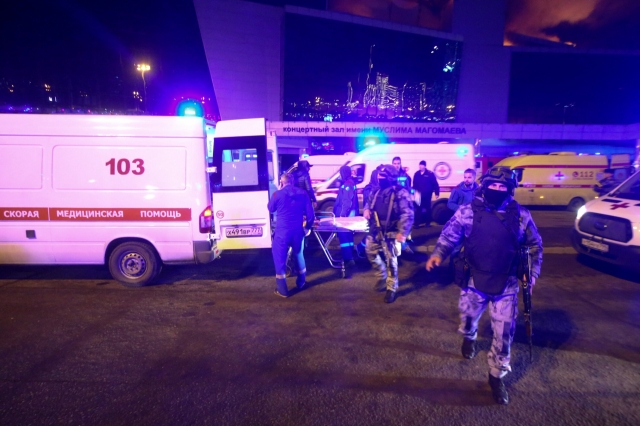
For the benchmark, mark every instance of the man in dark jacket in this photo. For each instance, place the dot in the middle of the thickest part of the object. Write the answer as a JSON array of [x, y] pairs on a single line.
[[291, 204], [425, 182], [493, 228], [464, 192], [302, 180], [403, 178], [346, 205]]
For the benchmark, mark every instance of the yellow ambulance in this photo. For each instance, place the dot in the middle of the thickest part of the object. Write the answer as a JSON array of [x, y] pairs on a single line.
[[559, 178]]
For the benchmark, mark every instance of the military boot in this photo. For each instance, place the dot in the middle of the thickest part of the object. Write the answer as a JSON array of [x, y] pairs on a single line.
[[499, 390], [390, 296], [469, 348]]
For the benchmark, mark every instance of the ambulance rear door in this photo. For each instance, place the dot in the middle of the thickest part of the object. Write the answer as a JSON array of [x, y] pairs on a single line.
[[240, 175]]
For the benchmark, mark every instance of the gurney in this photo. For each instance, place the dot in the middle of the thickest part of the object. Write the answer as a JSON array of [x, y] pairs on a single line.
[[328, 223]]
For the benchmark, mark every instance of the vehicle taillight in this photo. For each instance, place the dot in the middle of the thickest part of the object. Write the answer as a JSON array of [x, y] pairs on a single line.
[[206, 220]]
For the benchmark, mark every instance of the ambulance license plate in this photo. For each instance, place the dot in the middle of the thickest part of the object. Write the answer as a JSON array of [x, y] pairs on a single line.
[[244, 231], [595, 245]]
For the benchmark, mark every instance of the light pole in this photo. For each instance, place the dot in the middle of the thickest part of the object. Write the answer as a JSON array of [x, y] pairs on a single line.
[[142, 68]]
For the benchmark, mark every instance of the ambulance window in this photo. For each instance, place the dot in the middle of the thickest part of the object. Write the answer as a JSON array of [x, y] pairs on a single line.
[[358, 171], [241, 164], [519, 173], [239, 167], [270, 164]]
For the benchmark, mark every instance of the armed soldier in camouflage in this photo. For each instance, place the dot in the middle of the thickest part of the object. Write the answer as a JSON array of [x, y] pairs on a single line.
[[493, 228], [390, 214]]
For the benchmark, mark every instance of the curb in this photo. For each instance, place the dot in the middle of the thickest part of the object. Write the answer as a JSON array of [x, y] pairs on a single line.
[[546, 250]]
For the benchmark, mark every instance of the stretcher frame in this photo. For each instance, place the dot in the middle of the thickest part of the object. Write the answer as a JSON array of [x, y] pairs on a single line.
[[320, 226]]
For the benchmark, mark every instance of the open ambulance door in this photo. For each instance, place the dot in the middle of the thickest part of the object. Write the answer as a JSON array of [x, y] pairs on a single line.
[[241, 174]]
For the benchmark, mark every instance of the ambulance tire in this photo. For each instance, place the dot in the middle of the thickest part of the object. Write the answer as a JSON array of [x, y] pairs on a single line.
[[440, 213], [575, 204], [134, 264], [327, 206]]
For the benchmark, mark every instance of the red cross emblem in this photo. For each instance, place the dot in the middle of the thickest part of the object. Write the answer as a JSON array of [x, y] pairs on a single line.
[[442, 170], [619, 205], [560, 176]]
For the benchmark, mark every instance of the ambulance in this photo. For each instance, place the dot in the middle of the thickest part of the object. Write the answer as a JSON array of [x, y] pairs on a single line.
[[559, 178], [447, 161], [131, 192], [608, 228], [323, 166]]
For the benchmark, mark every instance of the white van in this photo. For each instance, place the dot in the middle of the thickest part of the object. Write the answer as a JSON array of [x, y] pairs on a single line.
[[128, 191], [447, 161], [558, 178], [608, 228], [324, 166]]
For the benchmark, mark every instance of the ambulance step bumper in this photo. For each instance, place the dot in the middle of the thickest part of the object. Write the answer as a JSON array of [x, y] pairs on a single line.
[[206, 251]]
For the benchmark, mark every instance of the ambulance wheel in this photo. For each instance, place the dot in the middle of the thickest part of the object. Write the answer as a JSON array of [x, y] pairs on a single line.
[[575, 204], [440, 213], [327, 206], [134, 264]]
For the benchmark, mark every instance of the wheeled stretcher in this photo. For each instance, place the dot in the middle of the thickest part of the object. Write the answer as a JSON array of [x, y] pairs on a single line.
[[328, 223]]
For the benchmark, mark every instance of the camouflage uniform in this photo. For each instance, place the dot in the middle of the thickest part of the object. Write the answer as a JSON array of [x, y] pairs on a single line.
[[401, 221], [503, 307]]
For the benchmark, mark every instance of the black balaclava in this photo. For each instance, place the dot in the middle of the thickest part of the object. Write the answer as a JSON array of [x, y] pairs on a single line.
[[495, 197], [374, 178]]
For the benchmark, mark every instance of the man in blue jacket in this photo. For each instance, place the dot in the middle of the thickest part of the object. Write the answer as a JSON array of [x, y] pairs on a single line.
[[291, 204], [464, 192], [346, 205]]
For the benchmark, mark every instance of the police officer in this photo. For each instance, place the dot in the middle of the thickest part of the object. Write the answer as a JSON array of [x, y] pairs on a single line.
[[493, 228], [302, 180], [290, 204], [346, 205], [391, 206]]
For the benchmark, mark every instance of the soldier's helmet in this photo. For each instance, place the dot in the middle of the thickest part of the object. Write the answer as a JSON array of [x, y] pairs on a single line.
[[500, 174], [387, 172]]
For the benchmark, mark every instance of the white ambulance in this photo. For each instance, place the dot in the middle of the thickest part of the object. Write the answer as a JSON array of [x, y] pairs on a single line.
[[609, 228], [128, 191], [559, 178], [447, 161], [323, 166]]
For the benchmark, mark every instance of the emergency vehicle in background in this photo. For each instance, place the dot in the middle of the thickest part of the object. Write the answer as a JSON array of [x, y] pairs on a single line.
[[131, 192], [323, 166], [447, 161], [608, 228], [560, 178]]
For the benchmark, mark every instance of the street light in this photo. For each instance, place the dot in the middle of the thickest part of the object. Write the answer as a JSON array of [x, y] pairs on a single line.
[[142, 68]]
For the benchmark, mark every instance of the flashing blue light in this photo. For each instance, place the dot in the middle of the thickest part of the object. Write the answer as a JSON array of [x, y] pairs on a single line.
[[304, 156], [516, 152], [190, 108], [462, 151], [597, 153]]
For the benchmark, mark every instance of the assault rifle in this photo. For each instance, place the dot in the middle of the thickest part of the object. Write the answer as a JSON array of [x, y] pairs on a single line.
[[383, 241], [525, 276]]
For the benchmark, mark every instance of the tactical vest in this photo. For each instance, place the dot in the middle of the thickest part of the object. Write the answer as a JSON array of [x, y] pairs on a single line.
[[381, 206], [492, 247]]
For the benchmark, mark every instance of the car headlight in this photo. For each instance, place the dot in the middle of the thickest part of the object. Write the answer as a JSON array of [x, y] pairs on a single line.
[[582, 210]]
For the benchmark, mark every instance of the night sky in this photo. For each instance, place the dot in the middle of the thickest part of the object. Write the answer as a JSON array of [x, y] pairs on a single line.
[[90, 44]]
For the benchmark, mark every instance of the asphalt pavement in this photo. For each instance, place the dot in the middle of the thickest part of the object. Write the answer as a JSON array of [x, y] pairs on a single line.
[[212, 345]]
